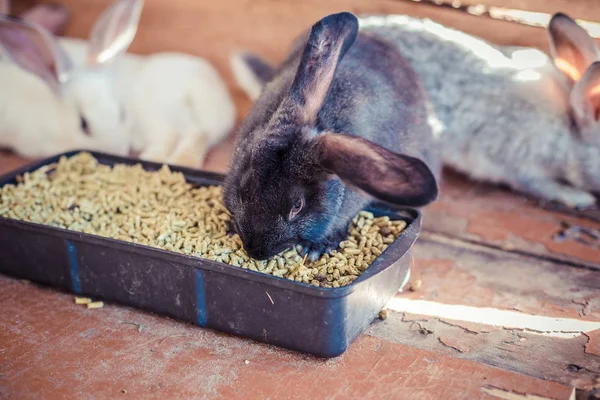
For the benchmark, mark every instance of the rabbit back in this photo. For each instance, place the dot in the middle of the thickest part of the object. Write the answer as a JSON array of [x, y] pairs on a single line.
[[185, 90], [504, 110]]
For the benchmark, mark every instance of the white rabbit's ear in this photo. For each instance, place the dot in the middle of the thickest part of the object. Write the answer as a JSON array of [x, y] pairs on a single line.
[[251, 72], [114, 31], [51, 16], [573, 50], [35, 50]]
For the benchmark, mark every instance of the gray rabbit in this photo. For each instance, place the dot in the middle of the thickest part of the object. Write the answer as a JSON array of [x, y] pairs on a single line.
[[510, 115], [344, 120]]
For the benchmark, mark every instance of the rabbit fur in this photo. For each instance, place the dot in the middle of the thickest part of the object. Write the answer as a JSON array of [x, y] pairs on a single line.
[[509, 115], [168, 107], [342, 122]]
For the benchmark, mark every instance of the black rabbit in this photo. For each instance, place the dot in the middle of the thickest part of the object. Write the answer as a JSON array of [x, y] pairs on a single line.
[[510, 115], [343, 121]]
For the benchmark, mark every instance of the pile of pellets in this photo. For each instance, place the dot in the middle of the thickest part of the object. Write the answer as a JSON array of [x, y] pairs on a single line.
[[160, 209]]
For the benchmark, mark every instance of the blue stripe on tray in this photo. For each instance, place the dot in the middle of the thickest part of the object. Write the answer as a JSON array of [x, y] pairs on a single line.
[[200, 300], [74, 268]]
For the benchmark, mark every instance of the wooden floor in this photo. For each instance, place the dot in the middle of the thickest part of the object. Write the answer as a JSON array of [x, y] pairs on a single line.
[[482, 247], [509, 306]]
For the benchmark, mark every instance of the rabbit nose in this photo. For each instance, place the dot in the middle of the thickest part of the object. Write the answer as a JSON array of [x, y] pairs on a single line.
[[258, 253], [257, 248]]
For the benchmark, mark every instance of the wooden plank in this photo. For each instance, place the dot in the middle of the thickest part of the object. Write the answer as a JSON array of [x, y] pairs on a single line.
[[479, 212], [53, 348], [583, 9], [10, 161], [478, 277], [17, 7], [555, 359], [457, 273]]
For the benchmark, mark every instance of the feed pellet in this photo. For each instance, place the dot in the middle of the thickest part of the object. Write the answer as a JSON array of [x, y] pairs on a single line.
[[160, 209], [95, 304]]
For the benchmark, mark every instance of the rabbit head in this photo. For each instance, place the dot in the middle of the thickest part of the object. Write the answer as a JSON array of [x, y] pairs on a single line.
[[289, 177], [88, 114], [576, 56]]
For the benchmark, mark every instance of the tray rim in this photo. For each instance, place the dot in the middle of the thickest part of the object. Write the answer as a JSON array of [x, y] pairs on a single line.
[[402, 245]]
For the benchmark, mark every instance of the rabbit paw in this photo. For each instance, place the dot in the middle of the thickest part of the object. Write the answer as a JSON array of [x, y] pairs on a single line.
[[575, 198], [554, 191], [230, 228], [316, 249], [580, 200]]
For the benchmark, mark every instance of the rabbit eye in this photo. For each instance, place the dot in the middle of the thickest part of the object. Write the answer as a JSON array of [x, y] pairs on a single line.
[[296, 207], [84, 125]]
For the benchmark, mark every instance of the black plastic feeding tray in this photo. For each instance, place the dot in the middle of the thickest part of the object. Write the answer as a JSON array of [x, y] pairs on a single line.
[[298, 316]]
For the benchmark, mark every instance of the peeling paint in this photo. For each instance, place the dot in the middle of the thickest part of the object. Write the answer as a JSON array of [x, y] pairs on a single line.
[[525, 352], [549, 326], [465, 325], [492, 278], [593, 344], [455, 343]]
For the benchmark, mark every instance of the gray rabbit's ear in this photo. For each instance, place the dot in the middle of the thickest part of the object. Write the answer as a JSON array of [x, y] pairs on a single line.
[[386, 176], [573, 50], [327, 43], [114, 31], [585, 100], [251, 72], [35, 50]]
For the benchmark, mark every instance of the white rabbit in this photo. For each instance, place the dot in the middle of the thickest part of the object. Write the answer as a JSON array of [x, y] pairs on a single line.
[[510, 115], [176, 105], [47, 106]]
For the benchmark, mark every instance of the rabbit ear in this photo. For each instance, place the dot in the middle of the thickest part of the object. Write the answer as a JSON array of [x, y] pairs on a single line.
[[35, 50], [4, 7], [251, 73], [386, 176], [585, 97], [51, 16], [327, 43], [114, 31], [572, 48]]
